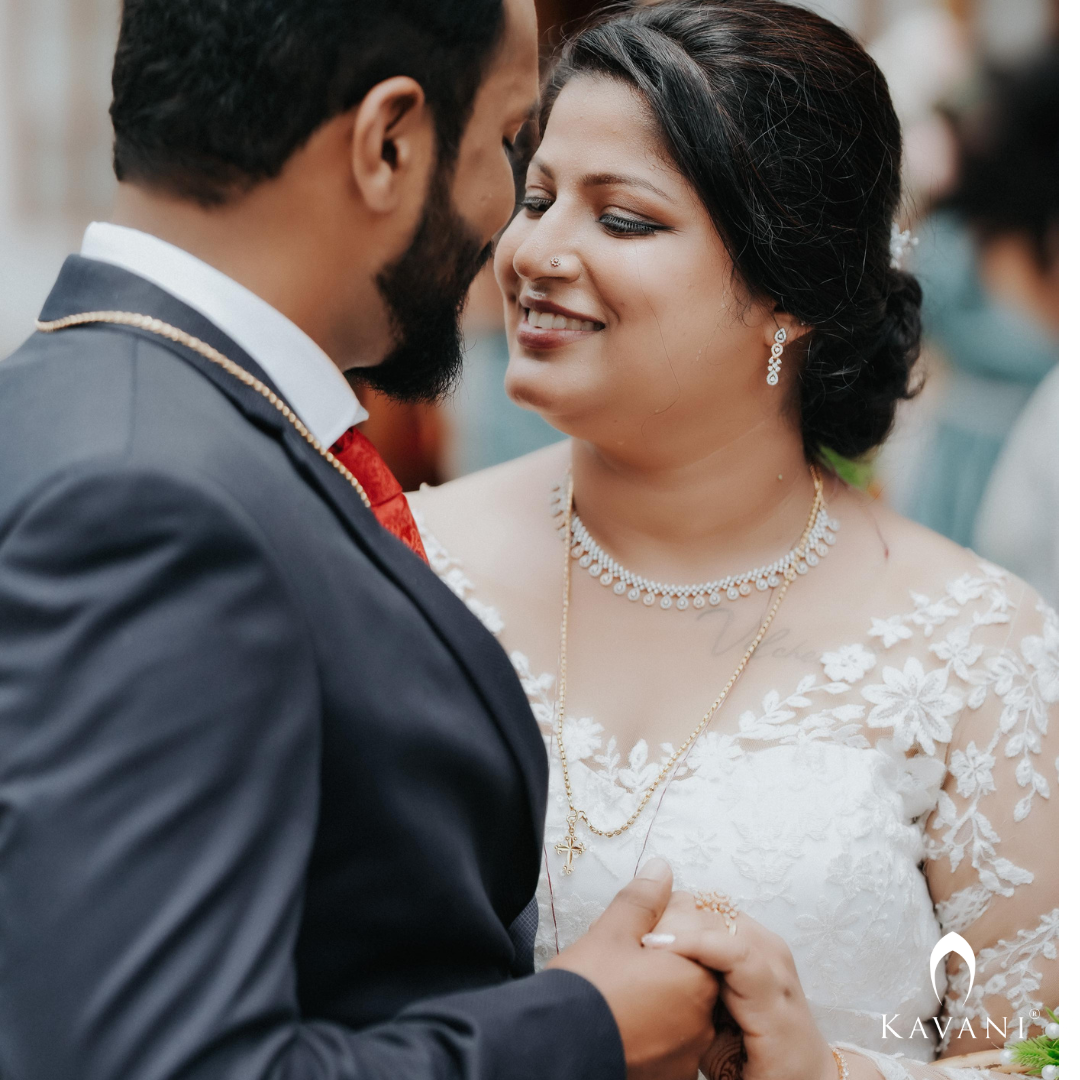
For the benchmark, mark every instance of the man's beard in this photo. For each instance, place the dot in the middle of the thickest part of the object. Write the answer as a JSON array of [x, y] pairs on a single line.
[[425, 292]]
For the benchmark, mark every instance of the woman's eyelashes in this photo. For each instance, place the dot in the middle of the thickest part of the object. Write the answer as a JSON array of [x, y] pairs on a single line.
[[615, 224], [625, 226], [536, 204]]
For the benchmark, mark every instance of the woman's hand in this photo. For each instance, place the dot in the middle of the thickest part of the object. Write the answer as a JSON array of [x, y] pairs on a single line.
[[760, 990]]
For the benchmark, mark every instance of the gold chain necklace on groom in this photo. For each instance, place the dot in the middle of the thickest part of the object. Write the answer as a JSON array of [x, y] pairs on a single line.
[[208, 352], [352, 454]]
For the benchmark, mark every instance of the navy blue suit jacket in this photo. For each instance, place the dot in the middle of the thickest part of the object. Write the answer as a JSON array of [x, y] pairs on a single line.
[[271, 798]]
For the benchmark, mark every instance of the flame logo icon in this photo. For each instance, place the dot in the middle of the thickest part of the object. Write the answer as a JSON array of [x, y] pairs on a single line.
[[953, 943]]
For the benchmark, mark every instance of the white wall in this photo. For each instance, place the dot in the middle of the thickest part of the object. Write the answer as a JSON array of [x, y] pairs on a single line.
[[55, 176]]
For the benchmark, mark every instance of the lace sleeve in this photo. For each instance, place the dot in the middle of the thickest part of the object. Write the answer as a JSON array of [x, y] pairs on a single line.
[[992, 839], [454, 577]]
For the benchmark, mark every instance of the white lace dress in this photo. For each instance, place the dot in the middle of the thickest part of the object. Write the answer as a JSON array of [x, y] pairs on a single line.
[[818, 811]]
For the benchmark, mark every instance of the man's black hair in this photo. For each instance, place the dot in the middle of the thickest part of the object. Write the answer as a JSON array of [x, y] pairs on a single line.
[[210, 97]]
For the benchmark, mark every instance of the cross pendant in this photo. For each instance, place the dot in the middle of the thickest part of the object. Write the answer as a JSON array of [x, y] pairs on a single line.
[[570, 845]]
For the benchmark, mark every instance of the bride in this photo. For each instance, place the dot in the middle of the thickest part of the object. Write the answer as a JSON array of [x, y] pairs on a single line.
[[837, 727]]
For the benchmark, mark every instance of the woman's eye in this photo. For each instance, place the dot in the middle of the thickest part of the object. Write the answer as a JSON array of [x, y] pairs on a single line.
[[621, 226], [536, 204]]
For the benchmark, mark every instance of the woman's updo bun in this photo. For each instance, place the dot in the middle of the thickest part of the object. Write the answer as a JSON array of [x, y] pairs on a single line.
[[854, 375], [785, 128]]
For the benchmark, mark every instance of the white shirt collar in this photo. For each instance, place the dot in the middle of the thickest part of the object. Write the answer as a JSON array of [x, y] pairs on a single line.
[[310, 381]]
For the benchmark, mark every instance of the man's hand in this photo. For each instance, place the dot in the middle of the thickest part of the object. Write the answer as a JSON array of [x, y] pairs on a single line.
[[661, 1002]]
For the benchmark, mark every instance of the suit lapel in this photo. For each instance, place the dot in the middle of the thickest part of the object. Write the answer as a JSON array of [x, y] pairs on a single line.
[[88, 285]]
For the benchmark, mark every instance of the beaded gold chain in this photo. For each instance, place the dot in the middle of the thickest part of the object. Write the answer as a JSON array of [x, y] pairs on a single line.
[[208, 352], [571, 845]]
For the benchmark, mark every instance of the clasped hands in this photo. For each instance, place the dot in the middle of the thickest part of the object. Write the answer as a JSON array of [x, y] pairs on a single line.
[[666, 992]]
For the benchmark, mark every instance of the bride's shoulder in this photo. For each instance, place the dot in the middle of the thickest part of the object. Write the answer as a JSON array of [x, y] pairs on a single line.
[[490, 513], [931, 575]]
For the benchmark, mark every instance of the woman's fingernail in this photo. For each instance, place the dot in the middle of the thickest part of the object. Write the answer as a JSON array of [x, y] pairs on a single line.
[[654, 870], [654, 940]]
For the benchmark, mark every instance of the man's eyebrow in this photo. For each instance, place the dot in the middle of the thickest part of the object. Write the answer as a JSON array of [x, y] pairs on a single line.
[[608, 180]]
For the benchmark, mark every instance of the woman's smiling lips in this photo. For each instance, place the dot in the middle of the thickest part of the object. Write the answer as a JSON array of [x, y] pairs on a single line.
[[544, 325]]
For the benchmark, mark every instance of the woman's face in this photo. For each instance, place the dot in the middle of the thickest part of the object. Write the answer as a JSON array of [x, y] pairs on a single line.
[[626, 327]]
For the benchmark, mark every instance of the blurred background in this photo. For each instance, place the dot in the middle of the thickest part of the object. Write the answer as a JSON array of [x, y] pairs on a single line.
[[976, 85]]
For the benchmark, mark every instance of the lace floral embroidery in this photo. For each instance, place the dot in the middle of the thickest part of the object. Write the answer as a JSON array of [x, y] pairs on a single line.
[[1012, 974], [895, 701], [917, 708], [1026, 685], [917, 705], [449, 569]]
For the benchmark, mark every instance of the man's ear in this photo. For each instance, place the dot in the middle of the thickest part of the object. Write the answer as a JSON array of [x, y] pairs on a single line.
[[393, 145]]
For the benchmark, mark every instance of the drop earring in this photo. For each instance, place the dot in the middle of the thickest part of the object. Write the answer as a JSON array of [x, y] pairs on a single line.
[[777, 352]]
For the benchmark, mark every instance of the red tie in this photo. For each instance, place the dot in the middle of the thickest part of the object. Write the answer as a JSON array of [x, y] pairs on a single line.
[[356, 452]]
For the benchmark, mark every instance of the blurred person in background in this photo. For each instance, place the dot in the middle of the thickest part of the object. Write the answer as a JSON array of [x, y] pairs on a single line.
[[1017, 523], [988, 263], [411, 436]]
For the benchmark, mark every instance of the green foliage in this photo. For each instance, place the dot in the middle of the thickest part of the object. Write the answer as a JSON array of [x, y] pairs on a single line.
[[858, 474], [1036, 1053]]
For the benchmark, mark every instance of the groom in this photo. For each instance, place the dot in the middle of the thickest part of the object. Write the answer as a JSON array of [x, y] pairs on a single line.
[[270, 797]]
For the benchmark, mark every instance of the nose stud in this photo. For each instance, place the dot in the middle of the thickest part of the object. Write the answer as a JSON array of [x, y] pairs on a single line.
[[556, 261]]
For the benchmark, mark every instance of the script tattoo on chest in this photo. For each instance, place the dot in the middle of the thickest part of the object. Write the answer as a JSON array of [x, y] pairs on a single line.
[[779, 644]]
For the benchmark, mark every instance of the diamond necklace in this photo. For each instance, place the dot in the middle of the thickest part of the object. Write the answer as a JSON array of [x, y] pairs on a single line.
[[571, 845], [810, 550]]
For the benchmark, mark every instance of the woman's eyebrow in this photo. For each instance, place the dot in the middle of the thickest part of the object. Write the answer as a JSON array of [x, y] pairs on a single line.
[[614, 179], [606, 180]]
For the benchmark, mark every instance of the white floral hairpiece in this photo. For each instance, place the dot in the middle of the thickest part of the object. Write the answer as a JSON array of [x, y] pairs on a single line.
[[899, 244]]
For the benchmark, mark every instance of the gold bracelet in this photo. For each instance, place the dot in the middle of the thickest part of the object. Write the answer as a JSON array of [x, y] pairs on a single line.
[[841, 1064]]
